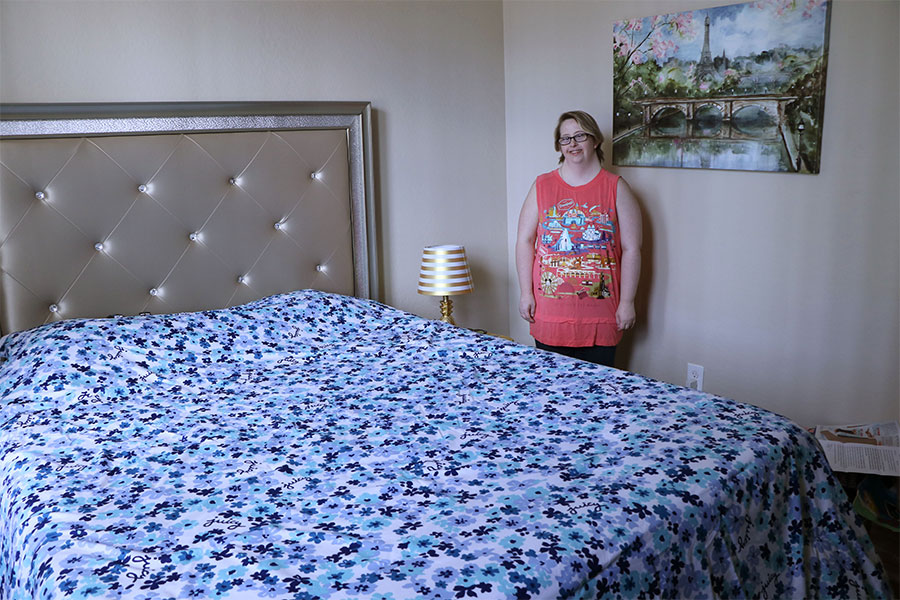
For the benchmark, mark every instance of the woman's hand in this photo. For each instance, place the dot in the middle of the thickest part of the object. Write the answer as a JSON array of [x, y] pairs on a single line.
[[625, 315], [526, 307]]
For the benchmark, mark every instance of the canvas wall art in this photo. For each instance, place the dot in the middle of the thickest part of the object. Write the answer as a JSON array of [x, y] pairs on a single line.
[[732, 87]]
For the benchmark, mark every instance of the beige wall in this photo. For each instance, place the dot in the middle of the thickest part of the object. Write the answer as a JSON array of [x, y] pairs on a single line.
[[432, 70], [784, 287]]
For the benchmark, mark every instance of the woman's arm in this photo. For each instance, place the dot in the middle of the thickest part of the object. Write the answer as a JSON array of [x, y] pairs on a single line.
[[631, 236], [528, 220]]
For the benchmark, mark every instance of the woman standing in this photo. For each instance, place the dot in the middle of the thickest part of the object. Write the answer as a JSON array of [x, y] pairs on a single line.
[[578, 249]]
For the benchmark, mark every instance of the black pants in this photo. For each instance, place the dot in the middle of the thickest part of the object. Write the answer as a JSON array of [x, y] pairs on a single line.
[[601, 355]]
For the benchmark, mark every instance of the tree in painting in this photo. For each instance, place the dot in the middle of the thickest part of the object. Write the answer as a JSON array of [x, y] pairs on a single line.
[[639, 48]]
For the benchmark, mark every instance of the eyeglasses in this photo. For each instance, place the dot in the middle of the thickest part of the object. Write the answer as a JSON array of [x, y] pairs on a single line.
[[567, 139]]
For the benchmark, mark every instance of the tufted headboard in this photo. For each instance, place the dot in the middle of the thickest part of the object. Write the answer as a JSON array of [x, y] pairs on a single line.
[[129, 208]]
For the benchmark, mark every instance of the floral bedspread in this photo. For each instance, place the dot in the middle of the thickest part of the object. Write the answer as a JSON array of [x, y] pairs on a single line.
[[310, 445]]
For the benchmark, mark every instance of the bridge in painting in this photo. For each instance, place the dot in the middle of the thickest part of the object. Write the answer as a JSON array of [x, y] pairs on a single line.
[[772, 104], [725, 107]]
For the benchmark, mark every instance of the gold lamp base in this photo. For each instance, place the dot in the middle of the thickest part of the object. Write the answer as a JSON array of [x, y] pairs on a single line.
[[444, 272], [447, 310]]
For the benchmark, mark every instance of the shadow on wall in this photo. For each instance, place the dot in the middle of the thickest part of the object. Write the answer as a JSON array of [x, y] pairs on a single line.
[[381, 248], [639, 334]]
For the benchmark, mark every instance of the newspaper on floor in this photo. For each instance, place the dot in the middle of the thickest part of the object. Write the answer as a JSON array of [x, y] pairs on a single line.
[[872, 448]]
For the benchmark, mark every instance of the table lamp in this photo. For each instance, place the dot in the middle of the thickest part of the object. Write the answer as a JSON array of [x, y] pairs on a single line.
[[445, 272]]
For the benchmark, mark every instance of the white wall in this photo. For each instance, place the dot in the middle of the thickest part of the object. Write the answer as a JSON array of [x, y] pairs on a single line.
[[433, 72], [784, 287]]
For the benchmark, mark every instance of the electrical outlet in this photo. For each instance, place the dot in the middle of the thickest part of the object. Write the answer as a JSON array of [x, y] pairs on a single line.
[[695, 377]]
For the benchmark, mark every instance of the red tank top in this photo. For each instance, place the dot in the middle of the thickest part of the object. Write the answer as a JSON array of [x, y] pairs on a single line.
[[576, 262]]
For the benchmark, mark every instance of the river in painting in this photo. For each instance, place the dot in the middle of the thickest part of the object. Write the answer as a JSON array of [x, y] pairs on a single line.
[[750, 141]]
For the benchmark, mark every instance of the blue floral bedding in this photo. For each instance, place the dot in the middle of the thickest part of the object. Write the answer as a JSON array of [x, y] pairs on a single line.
[[310, 445]]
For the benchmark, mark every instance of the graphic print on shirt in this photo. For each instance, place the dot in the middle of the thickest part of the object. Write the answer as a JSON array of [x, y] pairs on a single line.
[[577, 251]]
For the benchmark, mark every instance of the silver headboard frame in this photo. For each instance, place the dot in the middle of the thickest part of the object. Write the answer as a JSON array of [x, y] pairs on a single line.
[[168, 207]]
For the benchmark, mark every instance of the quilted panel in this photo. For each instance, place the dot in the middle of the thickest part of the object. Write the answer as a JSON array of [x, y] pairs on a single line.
[[171, 222]]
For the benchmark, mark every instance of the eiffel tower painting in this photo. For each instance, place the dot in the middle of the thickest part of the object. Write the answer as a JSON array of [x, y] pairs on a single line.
[[738, 87]]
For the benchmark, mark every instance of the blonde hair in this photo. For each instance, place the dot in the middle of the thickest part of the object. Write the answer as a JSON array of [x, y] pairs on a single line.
[[587, 124]]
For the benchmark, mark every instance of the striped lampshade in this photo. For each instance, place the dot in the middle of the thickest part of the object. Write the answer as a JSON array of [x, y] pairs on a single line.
[[444, 271]]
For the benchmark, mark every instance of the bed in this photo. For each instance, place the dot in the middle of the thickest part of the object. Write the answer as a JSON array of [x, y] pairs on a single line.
[[315, 443]]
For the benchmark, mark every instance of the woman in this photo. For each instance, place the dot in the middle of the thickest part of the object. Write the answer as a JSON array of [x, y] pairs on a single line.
[[578, 249]]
